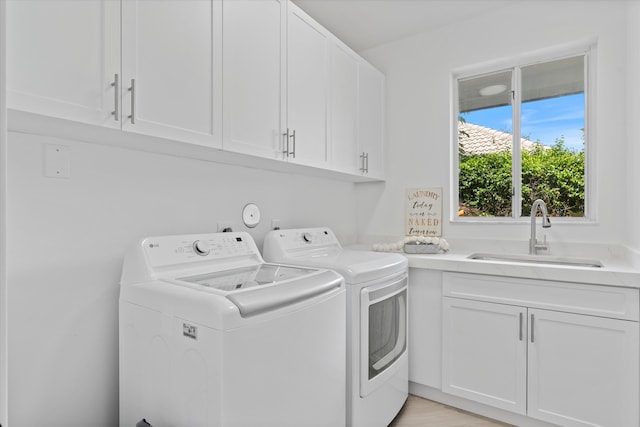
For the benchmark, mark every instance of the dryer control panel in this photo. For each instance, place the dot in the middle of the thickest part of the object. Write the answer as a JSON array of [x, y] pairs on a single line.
[[301, 240]]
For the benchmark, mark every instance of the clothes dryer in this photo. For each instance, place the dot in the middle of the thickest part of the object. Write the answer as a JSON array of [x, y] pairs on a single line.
[[377, 356], [211, 335]]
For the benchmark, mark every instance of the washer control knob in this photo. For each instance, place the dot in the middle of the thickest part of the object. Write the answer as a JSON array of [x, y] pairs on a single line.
[[306, 237], [201, 247]]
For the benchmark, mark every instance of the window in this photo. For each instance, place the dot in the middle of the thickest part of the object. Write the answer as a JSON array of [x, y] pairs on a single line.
[[521, 136]]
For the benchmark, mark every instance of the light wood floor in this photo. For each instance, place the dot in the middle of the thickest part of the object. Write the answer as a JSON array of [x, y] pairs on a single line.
[[418, 412]]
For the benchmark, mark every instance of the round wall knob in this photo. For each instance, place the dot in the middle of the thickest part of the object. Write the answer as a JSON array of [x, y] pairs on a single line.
[[201, 247]]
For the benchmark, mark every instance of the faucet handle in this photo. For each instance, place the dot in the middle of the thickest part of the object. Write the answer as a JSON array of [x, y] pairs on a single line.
[[544, 246]]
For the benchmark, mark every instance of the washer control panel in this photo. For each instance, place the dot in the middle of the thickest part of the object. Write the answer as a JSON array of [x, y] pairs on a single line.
[[170, 250]]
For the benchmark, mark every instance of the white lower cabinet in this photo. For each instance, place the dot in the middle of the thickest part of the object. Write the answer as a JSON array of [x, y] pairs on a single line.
[[425, 327], [560, 367], [583, 370], [484, 358]]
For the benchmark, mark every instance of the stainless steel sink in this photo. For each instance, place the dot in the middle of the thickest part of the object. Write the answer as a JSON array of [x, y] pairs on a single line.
[[538, 259]]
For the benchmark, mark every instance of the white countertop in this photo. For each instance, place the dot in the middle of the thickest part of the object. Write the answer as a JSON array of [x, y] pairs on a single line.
[[621, 267]]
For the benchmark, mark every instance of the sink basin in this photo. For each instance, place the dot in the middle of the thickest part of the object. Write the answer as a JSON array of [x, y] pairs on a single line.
[[538, 259]]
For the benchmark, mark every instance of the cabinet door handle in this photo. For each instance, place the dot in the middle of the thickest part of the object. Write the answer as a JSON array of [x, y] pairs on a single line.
[[366, 157], [293, 137], [132, 89], [285, 144], [521, 324], [363, 168], [116, 96], [532, 322]]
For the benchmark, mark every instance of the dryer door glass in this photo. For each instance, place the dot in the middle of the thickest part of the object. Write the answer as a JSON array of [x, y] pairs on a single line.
[[387, 332]]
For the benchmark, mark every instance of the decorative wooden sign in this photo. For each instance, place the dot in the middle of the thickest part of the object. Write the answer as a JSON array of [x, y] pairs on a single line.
[[424, 212]]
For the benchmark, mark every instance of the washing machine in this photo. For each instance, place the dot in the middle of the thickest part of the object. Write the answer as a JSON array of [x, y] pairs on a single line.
[[377, 357], [212, 335]]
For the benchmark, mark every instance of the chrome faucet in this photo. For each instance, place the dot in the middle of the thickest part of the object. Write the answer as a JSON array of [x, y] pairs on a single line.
[[534, 246]]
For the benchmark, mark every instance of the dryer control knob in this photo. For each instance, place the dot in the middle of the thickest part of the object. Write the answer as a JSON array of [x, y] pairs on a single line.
[[201, 248], [306, 237]]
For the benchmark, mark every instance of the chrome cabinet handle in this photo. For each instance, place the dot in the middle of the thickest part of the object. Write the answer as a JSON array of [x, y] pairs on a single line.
[[521, 322], [366, 158], [285, 144], [132, 89], [116, 96], [362, 157], [293, 137], [532, 320]]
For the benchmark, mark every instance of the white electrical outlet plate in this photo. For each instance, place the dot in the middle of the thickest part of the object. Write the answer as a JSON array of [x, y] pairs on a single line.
[[57, 161]]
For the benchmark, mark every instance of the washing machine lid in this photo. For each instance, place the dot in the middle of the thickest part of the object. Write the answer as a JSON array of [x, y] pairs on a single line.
[[256, 289], [239, 279]]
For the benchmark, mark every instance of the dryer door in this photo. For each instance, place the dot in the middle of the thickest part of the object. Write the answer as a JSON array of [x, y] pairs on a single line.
[[383, 317]]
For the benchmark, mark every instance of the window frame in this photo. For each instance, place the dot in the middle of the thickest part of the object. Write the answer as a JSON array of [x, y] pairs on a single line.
[[586, 48]]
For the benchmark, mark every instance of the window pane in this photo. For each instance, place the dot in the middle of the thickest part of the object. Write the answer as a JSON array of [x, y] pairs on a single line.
[[552, 128], [484, 145]]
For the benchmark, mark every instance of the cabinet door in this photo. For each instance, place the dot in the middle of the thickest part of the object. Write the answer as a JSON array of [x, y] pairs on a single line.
[[344, 108], [425, 327], [371, 119], [171, 66], [484, 353], [583, 370], [62, 57], [307, 89], [254, 77]]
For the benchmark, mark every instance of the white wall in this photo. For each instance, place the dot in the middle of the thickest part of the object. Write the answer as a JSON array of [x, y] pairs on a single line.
[[66, 238], [418, 71], [633, 130]]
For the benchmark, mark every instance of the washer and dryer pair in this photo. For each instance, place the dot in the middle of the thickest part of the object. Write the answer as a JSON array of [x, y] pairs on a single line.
[[376, 328], [211, 335]]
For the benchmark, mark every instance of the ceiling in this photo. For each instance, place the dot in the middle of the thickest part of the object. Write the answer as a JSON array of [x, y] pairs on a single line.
[[363, 24]]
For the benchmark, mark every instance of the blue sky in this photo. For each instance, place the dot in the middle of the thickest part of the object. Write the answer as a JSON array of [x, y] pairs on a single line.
[[545, 120]]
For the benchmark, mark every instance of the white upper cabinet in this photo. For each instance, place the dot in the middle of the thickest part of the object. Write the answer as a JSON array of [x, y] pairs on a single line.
[[254, 77], [257, 77], [276, 82], [62, 57], [371, 114], [171, 69], [307, 90], [357, 114], [344, 107]]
